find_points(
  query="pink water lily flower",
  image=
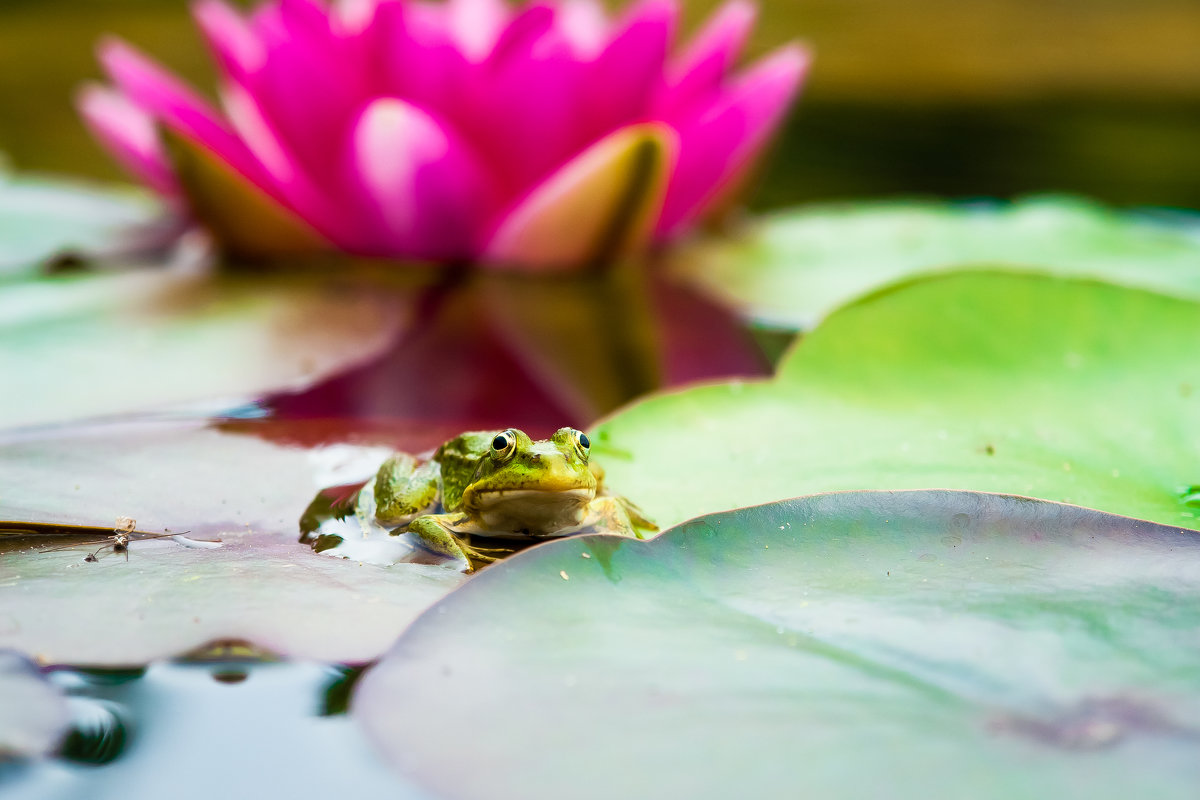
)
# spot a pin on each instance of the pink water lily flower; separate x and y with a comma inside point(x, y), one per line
point(546, 136)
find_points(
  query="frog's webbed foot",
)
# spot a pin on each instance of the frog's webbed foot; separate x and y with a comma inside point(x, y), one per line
point(617, 515)
point(433, 532)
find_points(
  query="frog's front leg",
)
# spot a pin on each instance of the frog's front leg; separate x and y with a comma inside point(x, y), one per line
point(434, 532)
point(614, 514)
point(405, 489)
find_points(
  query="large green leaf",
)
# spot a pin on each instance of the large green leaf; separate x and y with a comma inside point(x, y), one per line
point(853, 645)
point(97, 344)
point(33, 714)
point(260, 585)
point(1066, 390)
point(793, 267)
point(42, 218)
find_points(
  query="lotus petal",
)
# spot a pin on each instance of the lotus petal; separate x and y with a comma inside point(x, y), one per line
point(602, 204)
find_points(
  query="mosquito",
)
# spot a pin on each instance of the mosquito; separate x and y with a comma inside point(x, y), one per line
point(122, 535)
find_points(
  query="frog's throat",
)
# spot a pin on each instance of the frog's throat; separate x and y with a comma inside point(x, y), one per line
point(530, 512)
point(481, 498)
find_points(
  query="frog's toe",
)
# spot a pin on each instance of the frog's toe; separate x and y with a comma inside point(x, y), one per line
point(477, 560)
point(434, 533)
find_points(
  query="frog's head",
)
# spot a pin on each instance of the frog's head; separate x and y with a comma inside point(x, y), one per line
point(534, 487)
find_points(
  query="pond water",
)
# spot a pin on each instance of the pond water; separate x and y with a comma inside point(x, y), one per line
point(215, 728)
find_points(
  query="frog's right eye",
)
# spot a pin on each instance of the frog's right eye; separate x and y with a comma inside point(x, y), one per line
point(503, 444)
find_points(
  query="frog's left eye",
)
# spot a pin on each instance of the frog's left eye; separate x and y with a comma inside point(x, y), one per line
point(582, 443)
point(504, 444)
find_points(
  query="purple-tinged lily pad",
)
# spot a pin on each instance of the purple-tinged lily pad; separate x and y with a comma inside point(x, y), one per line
point(33, 713)
point(859, 644)
point(238, 572)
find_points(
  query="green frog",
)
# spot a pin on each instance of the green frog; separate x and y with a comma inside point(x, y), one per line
point(504, 485)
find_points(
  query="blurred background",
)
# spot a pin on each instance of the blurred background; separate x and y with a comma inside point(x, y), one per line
point(956, 98)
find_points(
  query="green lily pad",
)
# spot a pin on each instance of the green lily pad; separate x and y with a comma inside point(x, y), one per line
point(792, 268)
point(849, 645)
point(238, 573)
point(1066, 390)
point(33, 714)
point(41, 218)
point(104, 344)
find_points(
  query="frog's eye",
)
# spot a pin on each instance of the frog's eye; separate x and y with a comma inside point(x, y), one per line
point(582, 443)
point(503, 444)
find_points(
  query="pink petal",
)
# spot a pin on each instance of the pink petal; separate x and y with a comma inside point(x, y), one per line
point(310, 85)
point(521, 35)
point(354, 17)
point(235, 46)
point(422, 183)
point(522, 112)
point(622, 82)
point(600, 205)
point(476, 26)
point(129, 134)
point(418, 60)
point(177, 106)
point(290, 181)
point(719, 142)
point(698, 72)
point(308, 16)
point(256, 132)
point(584, 23)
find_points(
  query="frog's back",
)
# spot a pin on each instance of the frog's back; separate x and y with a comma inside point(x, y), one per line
point(459, 458)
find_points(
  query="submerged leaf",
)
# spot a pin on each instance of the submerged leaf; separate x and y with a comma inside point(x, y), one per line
point(847, 645)
point(793, 267)
point(1066, 390)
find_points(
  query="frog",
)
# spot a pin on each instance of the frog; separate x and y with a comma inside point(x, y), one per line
point(500, 484)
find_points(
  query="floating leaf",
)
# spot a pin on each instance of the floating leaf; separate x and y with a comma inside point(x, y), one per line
point(837, 646)
point(260, 584)
point(41, 218)
point(33, 714)
point(89, 345)
point(1066, 390)
point(792, 268)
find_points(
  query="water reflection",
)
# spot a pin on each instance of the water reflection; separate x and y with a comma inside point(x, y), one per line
point(495, 351)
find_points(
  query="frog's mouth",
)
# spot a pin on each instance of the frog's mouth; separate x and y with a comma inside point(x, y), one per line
point(533, 512)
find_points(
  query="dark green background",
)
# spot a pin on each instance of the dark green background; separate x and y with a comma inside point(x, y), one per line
point(945, 97)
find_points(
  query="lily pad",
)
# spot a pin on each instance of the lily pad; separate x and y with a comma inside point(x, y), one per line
point(259, 584)
point(1066, 390)
point(33, 714)
point(41, 218)
point(792, 268)
point(104, 344)
point(849, 645)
